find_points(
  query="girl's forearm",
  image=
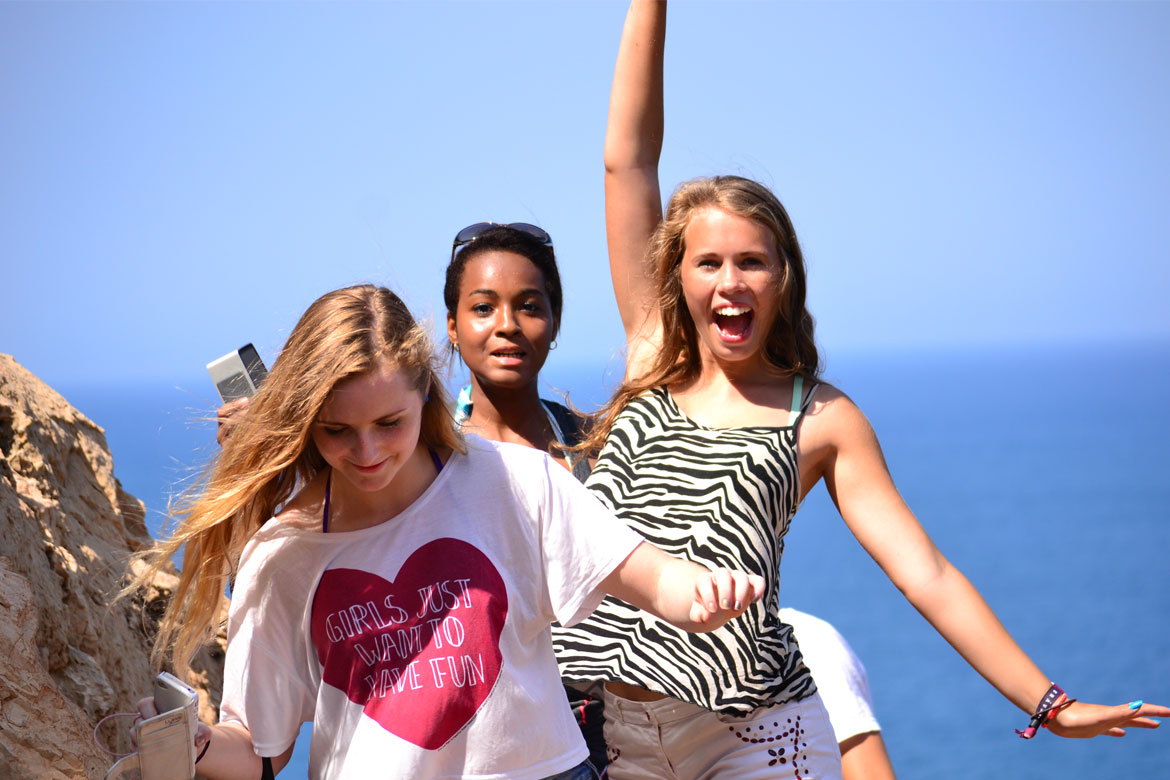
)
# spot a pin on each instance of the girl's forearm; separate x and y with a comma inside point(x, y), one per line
point(230, 756)
point(960, 614)
point(680, 592)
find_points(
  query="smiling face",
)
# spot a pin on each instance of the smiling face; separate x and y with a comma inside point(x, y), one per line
point(368, 430)
point(730, 275)
point(503, 322)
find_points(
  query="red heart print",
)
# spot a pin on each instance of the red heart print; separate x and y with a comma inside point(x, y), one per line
point(421, 653)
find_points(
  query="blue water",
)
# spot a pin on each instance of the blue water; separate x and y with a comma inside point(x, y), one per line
point(1042, 474)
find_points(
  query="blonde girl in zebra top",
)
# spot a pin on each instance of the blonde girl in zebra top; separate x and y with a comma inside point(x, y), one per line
point(718, 431)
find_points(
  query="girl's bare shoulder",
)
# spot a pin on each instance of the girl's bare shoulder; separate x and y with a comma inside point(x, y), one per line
point(832, 418)
point(305, 508)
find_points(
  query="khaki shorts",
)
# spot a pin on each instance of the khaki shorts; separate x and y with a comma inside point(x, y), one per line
point(673, 740)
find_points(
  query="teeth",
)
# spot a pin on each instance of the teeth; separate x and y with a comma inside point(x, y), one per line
point(732, 311)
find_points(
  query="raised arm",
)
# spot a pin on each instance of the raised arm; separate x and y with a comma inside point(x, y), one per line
point(841, 447)
point(633, 143)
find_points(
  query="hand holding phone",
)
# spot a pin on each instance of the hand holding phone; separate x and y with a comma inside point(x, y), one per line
point(238, 374)
point(166, 741)
point(227, 416)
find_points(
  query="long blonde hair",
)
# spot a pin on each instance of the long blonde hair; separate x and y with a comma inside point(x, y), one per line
point(790, 348)
point(270, 452)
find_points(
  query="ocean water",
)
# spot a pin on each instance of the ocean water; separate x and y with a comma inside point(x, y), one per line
point(1043, 474)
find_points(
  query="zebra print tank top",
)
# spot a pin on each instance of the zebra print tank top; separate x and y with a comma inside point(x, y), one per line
point(720, 497)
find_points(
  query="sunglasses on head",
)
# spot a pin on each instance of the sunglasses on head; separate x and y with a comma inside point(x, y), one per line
point(472, 232)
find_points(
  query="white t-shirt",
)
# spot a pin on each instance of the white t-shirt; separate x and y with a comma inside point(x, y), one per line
point(420, 647)
point(839, 674)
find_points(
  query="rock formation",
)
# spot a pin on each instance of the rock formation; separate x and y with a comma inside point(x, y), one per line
point(68, 657)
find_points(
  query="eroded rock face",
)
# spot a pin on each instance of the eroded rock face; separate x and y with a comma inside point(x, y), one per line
point(67, 530)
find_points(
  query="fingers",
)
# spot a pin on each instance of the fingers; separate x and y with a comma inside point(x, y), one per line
point(749, 588)
point(727, 590)
point(202, 734)
point(743, 591)
point(147, 708)
point(1143, 710)
point(705, 592)
point(228, 410)
point(724, 588)
point(699, 615)
point(227, 416)
point(757, 585)
point(1139, 714)
point(1143, 716)
point(1143, 723)
point(723, 594)
point(1088, 720)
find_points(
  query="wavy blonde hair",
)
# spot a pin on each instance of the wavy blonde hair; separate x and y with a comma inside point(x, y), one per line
point(790, 347)
point(270, 452)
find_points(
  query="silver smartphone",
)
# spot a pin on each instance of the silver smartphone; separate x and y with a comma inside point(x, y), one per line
point(238, 374)
point(166, 742)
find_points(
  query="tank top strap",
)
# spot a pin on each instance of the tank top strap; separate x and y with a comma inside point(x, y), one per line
point(800, 402)
point(552, 422)
point(567, 433)
point(797, 395)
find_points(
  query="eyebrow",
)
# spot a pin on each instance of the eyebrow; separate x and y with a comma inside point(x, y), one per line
point(713, 255)
point(495, 294)
point(319, 421)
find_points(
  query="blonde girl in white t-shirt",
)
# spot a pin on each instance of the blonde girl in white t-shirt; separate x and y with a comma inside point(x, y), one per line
point(393, 582)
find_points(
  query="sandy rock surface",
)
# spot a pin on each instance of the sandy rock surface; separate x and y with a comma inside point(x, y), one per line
point(67, 530)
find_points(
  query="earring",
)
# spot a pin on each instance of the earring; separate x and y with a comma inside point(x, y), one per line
point(455, 347)
point(552, 346)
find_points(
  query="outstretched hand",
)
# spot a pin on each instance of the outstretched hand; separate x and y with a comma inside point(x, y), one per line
point(723, 594)
point(1081, 720)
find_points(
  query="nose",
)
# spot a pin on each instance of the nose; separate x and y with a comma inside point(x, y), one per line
point(365, 449)
point(730, 278)
point(506, 320)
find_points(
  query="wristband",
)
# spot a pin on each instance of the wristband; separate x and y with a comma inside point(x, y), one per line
point(1052, 703)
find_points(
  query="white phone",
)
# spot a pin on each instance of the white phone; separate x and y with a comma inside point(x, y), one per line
point(166, 742)
point(238, 374)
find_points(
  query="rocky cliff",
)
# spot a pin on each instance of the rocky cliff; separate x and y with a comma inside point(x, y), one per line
point(68, 657)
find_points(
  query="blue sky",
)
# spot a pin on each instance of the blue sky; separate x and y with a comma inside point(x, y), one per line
point(179, 178)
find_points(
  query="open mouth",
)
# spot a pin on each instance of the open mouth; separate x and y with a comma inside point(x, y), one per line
point(509, 355)
point(734, 322)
